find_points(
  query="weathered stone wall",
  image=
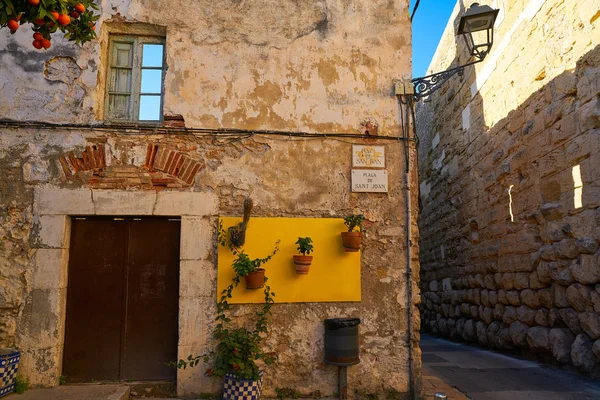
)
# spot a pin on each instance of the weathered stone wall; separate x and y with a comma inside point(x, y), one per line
point(319, 66)
point(510, 186)
point(266, 170)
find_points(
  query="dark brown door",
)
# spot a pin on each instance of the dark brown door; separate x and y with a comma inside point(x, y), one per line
point(122, 299)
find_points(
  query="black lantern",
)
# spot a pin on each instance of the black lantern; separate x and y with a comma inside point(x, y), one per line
point(476, 20)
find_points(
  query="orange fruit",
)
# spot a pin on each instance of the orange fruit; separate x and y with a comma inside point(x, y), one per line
point(74, 14)
point(13, 25)
point(39, 21)
point(54, 14)
point(64, 19)
point(37, 36)
point(79, 7)
point(33, 2)
point(37, 44)
point(45, 43)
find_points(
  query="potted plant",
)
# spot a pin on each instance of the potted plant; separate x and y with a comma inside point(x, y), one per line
point(353, 237)
point(238, 349)
point(243, 265)
point(250, 269)
point(9, 366)
point(303, 261)
point(237, 233)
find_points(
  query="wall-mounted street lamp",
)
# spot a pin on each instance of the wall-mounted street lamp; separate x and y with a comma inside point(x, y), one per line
point(476, 19)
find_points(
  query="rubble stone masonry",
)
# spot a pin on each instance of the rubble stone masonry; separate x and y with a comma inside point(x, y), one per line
point(509, 166)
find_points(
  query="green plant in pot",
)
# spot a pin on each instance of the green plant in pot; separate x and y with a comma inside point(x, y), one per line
point(250, 270)
point(244, 266)
point(238, 348)
point(353, 237)
point(238, 354)
point(303, 260)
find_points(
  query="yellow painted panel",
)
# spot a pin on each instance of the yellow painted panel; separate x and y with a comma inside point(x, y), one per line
point(334, 275)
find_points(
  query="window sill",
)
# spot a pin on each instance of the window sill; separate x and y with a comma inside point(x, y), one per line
point(137, 127)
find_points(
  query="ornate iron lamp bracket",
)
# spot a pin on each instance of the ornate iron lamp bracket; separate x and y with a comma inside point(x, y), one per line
point(426, 85)
point(476, 19)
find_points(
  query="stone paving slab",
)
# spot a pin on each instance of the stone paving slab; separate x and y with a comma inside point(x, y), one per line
point(432, 384)
point(76, 392)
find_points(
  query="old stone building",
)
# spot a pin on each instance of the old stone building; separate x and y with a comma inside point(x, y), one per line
point(509, 163)
point(262, 99)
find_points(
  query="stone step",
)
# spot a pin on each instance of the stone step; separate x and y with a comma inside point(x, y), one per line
point(76, 392)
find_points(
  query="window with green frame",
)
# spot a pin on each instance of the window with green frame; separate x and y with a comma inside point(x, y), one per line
point(136, 72)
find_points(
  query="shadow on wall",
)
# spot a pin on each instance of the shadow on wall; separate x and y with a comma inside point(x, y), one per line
point(439, 169)
point(448, 100)
point(510, 240)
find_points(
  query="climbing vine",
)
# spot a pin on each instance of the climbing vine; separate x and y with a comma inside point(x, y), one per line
point(238, 348)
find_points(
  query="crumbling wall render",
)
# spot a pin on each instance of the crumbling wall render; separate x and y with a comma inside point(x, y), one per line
point(267, 171)
point(318, 65)
point(519, 134)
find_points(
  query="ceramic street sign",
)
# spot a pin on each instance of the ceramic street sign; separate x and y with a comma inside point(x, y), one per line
point(369, 180)
point(368, 156)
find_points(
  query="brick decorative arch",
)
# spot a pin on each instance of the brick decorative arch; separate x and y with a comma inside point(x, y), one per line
point(93, 157)
point(163, 168)
point(173, 163)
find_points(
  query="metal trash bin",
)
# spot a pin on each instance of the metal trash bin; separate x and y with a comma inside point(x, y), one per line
point(341, 341)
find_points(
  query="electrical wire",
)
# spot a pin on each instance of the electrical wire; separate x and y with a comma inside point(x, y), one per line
point(222, 133)
point(415, 10)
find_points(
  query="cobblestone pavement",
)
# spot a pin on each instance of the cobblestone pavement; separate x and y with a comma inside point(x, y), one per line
point(486, 375)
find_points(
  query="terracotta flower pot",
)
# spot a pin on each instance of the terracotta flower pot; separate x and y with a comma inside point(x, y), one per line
point(302, 264)
point(256, 279)
point(352, 241)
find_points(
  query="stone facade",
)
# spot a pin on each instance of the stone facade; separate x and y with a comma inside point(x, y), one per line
point(319, 66)
point(510, 186)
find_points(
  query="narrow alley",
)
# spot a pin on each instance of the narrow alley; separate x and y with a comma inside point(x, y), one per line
point(487, 375)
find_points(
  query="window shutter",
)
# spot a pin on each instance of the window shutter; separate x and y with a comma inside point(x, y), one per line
point(119, 100)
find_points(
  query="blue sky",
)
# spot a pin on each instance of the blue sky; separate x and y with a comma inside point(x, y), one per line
point(428, 25)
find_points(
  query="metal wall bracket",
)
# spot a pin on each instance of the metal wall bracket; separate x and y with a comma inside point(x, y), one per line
point(426, 85)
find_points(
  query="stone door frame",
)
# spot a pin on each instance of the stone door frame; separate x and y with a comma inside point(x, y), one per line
point(41, 328)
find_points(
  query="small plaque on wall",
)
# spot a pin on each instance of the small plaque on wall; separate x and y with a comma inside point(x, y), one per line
point(369, 180)
point(368, 156)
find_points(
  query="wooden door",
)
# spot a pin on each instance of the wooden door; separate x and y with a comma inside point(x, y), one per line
point(122, 299)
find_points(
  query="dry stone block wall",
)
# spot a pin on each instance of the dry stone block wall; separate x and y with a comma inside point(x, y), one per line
point(510, 187)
